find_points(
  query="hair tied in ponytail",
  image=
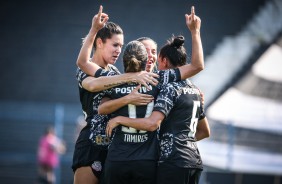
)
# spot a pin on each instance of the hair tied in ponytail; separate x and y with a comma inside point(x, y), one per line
point(178, 41)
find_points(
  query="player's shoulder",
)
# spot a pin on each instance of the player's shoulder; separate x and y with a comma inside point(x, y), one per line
point(191, 84)
point(113, 68)
point(169, 87)
point(167, 71)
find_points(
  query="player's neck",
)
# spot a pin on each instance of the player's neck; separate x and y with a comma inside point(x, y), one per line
point(98, 59)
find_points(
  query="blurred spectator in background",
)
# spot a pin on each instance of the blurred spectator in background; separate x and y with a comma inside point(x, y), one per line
point(49, 148)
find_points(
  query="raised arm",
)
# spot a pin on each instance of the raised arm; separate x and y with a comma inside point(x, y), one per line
point(193, 23)
point(90, 68)
point(83, 60)
point(150, 123)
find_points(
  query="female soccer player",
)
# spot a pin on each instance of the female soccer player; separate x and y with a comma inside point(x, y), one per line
point(91, 146)
point(181, 115)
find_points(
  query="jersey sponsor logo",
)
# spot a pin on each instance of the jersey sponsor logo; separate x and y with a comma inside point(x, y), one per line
point(100, 139)
point(190, 91)
point(129, 89)
point(135, 138)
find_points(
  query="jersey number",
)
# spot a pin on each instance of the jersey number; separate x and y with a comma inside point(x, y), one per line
point(194, 120)
point(132, 114)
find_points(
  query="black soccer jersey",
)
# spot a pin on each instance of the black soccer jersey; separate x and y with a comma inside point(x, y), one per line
point(89, 102)
point(182, 101)
point(129, 143)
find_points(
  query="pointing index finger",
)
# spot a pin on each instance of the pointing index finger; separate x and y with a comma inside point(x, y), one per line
point(193, 12)
point(100, 10)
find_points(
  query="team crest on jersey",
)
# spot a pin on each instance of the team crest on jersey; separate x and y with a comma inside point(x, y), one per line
point(97, 166)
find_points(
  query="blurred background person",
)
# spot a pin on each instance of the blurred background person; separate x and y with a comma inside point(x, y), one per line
point(49, 148)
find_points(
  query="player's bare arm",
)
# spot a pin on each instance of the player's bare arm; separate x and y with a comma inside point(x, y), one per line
point(203, 129)
point(150, 123)
point(193, 23)
point(83, 60)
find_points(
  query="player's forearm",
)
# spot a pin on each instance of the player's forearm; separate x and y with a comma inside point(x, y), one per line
point(112, 81)
point(112, 105)
point(197, 59)
point(139, 123)
point(203, 129)
point(106, 82)
point(83, 60)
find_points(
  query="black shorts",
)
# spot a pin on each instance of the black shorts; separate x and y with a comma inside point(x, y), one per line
point(88, 154)
point(167, 173)
point(128, 172)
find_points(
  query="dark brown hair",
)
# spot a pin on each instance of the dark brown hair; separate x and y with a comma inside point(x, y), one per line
point(174, 51)
point(135, 57)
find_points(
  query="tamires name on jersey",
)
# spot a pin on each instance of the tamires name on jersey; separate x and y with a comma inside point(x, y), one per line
point(135, 138)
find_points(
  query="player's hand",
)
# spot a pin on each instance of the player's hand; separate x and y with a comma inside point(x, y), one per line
point(137, 98)
point(144, 78)
point(112, 124)
point(99, 20)
point(193, 22)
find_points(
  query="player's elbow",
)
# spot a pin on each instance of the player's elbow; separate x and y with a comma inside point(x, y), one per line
point(202, 67)
point(78, 63)
point(94, 89)
point(199, 68)
point(208, 131)
point(82, 65)
point(154, 125)
point(90, 85)
point(101, 111)
point(207, 134)
point(91, 88)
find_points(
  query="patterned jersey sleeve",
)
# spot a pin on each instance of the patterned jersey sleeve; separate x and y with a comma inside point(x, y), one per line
point(109, 92)
point(101, 72)
point(170, 75)
point(111, 72)
point(166, 99)
point(80, 76)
